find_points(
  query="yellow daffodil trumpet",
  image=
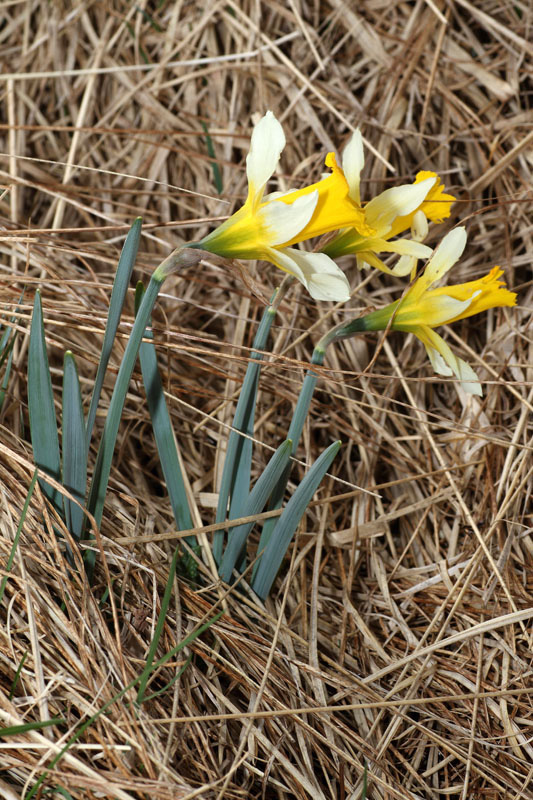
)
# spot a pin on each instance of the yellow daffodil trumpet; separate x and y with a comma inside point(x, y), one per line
point(389, 214)
point(422, 308)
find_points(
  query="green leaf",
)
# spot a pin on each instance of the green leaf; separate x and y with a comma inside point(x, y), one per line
point(74, 446)
point(6, 354)
point(102, 469)
point(104, 458)
point(295, 432)
point(15, 730)
point(254, 505)
point(235, 483)
point(288, 522)
point(154, 644)
point(171, 683)
point(7, 343)
point(116, 304)
point(14, 546)
point(43, 424)
point(163, 432)
point(17, 674)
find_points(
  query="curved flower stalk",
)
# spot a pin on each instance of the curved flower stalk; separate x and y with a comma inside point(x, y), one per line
point(266, 227)
point(390, 213)
point(423, 308)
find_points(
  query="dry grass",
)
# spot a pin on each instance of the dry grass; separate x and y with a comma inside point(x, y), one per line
point(400, 635)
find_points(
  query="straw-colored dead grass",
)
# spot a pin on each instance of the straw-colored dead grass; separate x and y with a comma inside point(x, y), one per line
point(400, 634)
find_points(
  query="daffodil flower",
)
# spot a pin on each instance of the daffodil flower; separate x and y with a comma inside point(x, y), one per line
point(423, 308)
point(390, 213)
point(266, 227)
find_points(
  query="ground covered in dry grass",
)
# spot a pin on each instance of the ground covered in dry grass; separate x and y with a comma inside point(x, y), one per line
point(399, 638)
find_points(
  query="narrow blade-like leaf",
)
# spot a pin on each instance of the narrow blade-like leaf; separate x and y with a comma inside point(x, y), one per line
point(189, 639)
point(14, 546)
point(288, 522)
point(100, 479)
point(235, 483)
point(7, 343)
point(164, 434)
point(254, 505)
point(295, 432)
point(116, 304)
point(43, 423)
point(74, 446)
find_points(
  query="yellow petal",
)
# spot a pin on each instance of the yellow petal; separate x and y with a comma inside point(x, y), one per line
point(334, 209)
point(437, 204)
point(484, 293)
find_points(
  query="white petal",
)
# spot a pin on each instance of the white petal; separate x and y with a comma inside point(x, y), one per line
point(469, 379)
point(446, 363)
point(284, 221)
point(406, 247)
point(353, 161)
point(268, 140)
point(397, 202)
point(444, 308)
point(419, 230)
point(404, 266)
point(438, 363)
point(419, 226)
point(323, 279)
point(447, 253)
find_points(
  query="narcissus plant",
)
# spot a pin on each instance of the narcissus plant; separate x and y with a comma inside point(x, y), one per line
point(423, 308)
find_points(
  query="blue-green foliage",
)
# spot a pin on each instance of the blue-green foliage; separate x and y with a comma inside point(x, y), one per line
point(71, 470)
point(237, 498)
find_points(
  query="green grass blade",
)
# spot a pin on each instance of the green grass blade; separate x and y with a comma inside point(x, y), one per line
point(14, 546)
point(171, 683)
point(14, 730)
point(102, 469)
point(254, 504)
point(235, 483)
point(58, 790)
point(74, 447)
point(83, 727)
point(158, 628)
point(288, 522)
point(17, 675)
point(164, 434)
point(214, 165)
point(8, 353)
point(43, 423)
point(7, 343)
point(116, 304)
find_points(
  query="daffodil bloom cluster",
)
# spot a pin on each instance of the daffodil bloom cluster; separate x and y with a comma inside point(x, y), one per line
point(266, 227)
point(423, 308)
point(389, 214)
